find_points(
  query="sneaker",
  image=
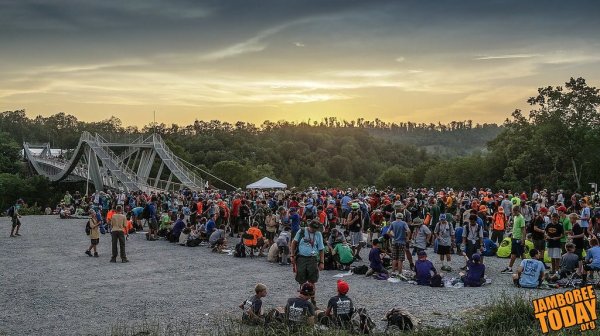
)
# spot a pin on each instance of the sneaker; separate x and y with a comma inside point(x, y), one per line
point(125, 260)
point(16, 234)
point(113, 260)
point(412, 267)
point(464, 268)
point(507, 270)
point(88, 253)
point(12, 236)
point(96, 254)
point(357, 257)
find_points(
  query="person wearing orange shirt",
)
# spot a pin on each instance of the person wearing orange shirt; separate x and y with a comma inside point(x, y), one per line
point(256, 241)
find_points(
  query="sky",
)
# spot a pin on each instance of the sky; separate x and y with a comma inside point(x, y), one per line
point(256, 60)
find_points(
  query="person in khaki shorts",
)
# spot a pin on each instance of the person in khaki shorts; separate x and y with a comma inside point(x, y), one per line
point(118, 223)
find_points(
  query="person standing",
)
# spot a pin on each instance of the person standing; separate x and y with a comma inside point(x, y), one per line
point(444, 233)
point(518, 239)
point(307, 254)
point(554, 232)
point(118, 223)
point(94, 234)
point(13, 212)
point(399, 232)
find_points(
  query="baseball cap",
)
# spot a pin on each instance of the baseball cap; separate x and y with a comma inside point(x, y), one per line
point(399, 215)
point(342, 286)
point(562, 208)
point(473, 217)
point(307, 289)
point(422, 254)
point(544, 210)
point(476, 257)
point(442, 217)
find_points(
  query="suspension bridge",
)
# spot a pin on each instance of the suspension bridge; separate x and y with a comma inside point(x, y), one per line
point(95, 161)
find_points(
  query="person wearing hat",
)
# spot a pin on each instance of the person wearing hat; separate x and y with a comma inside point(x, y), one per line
point(517, 247)
point(567, 226)
point(340, 307)
point(399, 233)
point(475, 276)
point(499, 221)
point(253, 307)
point(530, 273)
point(299, 310)
point(424, 269)
point(444, 234)
point(307, 253)
point(354, 223)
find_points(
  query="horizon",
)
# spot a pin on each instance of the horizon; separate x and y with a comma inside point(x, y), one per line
point(253, 61)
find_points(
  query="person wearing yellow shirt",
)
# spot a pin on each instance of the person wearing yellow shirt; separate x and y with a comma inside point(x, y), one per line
point(118, 224)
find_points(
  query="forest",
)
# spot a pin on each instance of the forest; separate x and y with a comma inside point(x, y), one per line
point(554, 145)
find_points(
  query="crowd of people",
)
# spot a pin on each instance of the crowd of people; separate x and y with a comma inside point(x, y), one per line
point(315, 229)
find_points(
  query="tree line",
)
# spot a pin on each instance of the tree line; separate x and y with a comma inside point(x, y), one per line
point(554, 146)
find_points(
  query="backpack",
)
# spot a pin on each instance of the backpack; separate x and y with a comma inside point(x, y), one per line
point(436, 281)
point(309, 212)
point(330, 214)
point(401, 319)
point(146, 212)
point(240, 250)
point(362, 269)
point(11, 211)
point(361, 322)
point(466, 230)
point(88, 228)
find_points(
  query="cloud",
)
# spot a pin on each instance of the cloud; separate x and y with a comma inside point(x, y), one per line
point(299, 44)
point(502, 57)
point(400, 59)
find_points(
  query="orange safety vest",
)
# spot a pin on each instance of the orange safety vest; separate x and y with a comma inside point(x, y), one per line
point(499, 222)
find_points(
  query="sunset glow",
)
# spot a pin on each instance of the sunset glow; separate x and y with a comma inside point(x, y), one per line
point(292, 60)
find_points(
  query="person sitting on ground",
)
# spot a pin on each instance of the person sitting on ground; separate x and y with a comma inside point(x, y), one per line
point(569, 262)
point(375, 260)
point(475, 276)
point(254, 239)
point(592, 261)
point(177, 229)
point(283, 244)
point(201, 229)
point(184, 235)
point(424, 269)
point(253, 312)
point(530, 272)
point(217, 239)
point(300, 311)
point(489, 247)
point(211, 225)
point(343, 255)
point(165, 225)
point(340, 307)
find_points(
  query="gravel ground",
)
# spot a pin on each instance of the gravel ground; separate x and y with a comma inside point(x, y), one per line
point(48, 286)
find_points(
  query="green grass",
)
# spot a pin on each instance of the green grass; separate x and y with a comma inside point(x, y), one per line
point(509, 316)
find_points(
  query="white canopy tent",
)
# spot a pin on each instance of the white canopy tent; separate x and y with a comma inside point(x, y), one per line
point(266, 183)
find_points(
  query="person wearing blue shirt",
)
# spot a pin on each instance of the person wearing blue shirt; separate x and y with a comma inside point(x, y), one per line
point(530, 272)
point(345, 202)
point(294, 221)
point(210, 226)
point(307, 253)
point(458, 233)
point(592, 260)
point(399, 231)
point(489, 247)
point(177, 228)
